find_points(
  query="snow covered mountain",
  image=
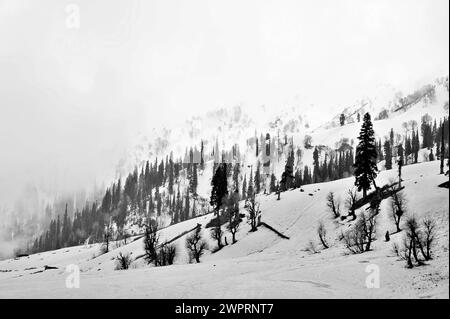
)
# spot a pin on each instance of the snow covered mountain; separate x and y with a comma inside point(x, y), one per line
point(261, 264)
point(390, 109)
point(283, 258)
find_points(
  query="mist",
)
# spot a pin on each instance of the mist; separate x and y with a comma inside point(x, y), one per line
point(73, 97)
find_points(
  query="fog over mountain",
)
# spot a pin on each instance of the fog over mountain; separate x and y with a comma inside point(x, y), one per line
point(72, 100)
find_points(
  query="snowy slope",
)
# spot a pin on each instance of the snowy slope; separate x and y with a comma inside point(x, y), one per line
point(260, 264)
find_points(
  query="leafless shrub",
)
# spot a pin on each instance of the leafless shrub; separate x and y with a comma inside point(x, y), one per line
point(196, 245)
point(333, 205)
point(418, 241)
point(398, 206)
point(360, 237)
point(123, 262)
point(166, 254)
point(107, 237)
point(350, 201)
point(151, 240)
point(216, 234)
point(234, 218)
point(322, 232)
point(253, 212)
point(428, 236)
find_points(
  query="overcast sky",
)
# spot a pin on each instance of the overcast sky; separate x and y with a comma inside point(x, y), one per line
point(71, 98)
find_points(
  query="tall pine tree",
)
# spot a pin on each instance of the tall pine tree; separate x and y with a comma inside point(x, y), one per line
point(366, 154)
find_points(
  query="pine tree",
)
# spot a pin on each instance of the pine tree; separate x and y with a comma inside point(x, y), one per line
point(387, 155)
point(297, 179)
point(416, 145)
point(380, 151)
point(257, 180)
point(287, 177)
point(202, 160)
point(65, 228)
point(366, 154)
point(244, 187)
point(307, 179)
point(219, 187)
point(250, 191)
point(273, 186)
point(316, 165)
point(170, 174)
point(391, 140)
point(186, 207)
point(400, 153)
point(408, 150)
point(257, 146)
point(58, 233)
point(193, 182)
point(236, 172)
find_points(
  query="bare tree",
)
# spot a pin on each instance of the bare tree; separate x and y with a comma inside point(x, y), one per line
point(333, 205)
point(253, 213)
point(350, 202)
point(406, 252)
point(419, 240)
point(123, 262)
point(234, 218)
point(398, 205)
point(428, 237)
point(195, 244)
point(322, 232)
point(166, 254)
point(360, 237)
point(107, 236)
point(413, 237)
point(217, 233)
point(151, 240)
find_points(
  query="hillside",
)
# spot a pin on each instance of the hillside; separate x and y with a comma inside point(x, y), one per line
point(260, 264)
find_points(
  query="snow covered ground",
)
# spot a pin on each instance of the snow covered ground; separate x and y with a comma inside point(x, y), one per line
point(261, 264)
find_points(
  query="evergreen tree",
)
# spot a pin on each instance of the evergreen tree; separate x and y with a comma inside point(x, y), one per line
point(287, 177)
point(342, 119)
point(307, 179)
point(250, 191)
point(316, 166)
point(415, 145)
point(400, 153)
point(236, 172)
point(408, 150)
point(391, 140)
point(244, 187)
point(297, 179)
point(170, 174)
point(273, 181)
point(366, 154)
point(219, 187)
point(257, 180)
point(202, 160)
point(58, 233)
point(387, 155)
point(193, 182)
point(65, 228)
point(186, 207)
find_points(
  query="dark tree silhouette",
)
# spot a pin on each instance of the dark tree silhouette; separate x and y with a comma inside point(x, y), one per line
point(366, 156)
